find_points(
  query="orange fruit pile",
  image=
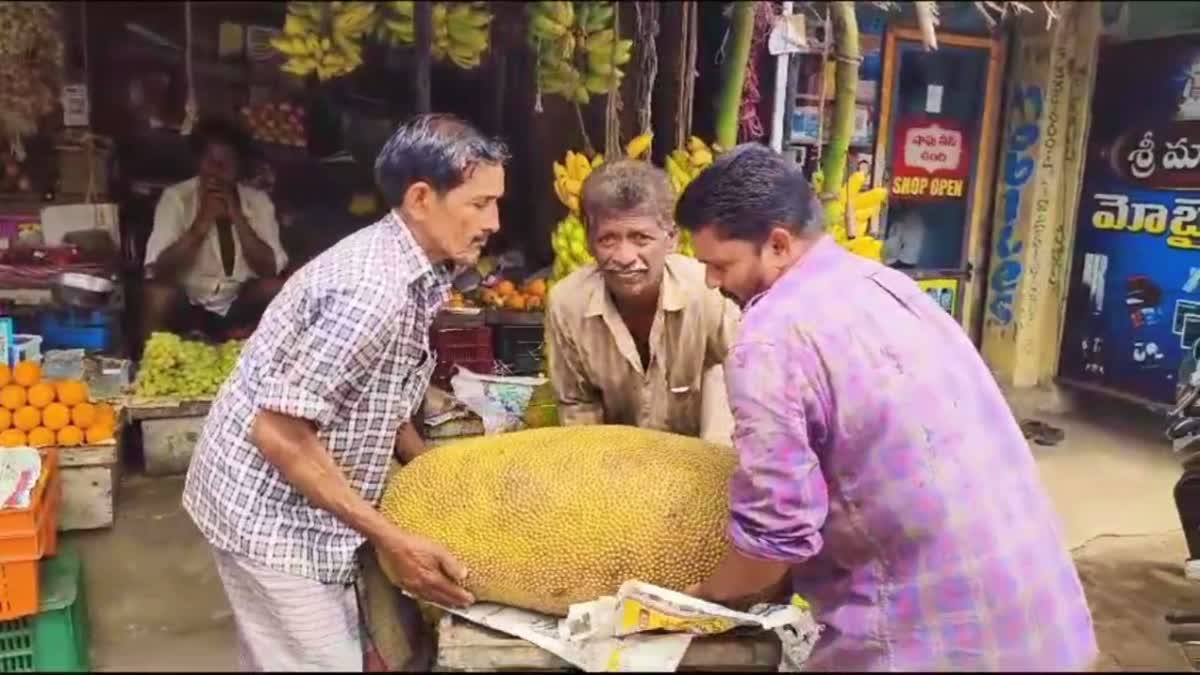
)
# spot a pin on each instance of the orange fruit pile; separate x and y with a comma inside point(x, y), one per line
point(38, 413)
point(505, 294)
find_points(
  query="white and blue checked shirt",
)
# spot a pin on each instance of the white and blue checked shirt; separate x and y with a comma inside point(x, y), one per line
point(346, 345)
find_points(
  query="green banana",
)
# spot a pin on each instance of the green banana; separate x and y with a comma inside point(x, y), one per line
point(601, 15)
point(544, 27)
point(465, 35)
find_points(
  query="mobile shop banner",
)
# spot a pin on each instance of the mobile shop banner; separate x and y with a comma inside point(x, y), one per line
point(1134, 303)
point(931, 159)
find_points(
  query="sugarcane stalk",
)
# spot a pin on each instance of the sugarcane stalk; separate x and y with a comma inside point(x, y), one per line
point(729, 101)
point(846, 51)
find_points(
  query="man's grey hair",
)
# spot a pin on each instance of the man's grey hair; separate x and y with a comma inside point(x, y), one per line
point(628, 188)
point(439, 149)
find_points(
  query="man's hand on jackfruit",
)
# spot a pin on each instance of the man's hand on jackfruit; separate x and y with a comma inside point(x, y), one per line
point(425, 569)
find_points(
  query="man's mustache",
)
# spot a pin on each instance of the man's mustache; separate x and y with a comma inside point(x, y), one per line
point(617, 268)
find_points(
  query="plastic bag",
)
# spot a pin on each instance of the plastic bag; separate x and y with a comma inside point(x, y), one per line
point(499, 401)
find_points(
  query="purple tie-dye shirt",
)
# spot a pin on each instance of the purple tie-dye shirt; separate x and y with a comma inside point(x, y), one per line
point(880, 459)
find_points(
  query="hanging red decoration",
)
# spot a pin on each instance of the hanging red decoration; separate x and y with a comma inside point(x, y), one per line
point(750, 127)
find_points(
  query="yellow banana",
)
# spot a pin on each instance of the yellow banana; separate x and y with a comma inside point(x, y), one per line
point(601, 41)
point(700, 158)
point(597, 84)
point(597, 161)
point(295, 24)
point(563, 13)
point(855, 182)
point(469, 37)
point(623, 51)
point(674, 169)
point(560, 192)
point(572, 186)
point(288, 46)
point(599, 63)
point(639, 145)
point(542, 26)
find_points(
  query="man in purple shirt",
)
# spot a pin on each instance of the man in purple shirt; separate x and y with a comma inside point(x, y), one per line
point(879, 462)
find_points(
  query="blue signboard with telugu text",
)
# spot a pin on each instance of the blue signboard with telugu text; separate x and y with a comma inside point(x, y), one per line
point(1134, 304)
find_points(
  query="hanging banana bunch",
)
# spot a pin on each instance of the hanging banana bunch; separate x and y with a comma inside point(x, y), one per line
point(569, 239)
point(577, 48)
point(461, 30)
point(683, 165)
point(850, 212)
point(324, 38)
point(394, 25)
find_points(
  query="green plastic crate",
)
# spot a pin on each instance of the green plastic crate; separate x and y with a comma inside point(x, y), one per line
point(56, 638)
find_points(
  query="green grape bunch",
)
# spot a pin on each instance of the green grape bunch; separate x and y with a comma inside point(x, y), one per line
point(176, 368)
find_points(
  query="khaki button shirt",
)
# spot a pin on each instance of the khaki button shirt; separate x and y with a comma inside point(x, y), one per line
point(597, 373)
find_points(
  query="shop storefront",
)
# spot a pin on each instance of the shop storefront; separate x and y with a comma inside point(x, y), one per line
point(1134, 303)
point(938, 116)
point(925, 127)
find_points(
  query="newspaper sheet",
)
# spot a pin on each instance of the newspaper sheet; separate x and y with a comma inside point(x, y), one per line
point(645, 628)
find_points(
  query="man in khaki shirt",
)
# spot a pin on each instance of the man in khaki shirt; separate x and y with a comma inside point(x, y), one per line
point(638, 338)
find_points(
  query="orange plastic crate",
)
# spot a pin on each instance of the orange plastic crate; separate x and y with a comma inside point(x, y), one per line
point(26, 536)
point(21, 530)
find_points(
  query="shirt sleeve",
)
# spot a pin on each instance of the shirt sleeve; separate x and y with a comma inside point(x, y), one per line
point(262, 220)
point(578, 400)
point(169, 225)
point(778, 496)
point(345, 334)
point(722, 328)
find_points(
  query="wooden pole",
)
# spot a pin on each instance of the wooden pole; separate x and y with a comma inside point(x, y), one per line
point(846, 52)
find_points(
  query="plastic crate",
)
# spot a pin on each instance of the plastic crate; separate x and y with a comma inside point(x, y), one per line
point(23, 531)
point(520, 348)
point(469, 347)
point(56, 638)
point(26, 536)
point(94, 330)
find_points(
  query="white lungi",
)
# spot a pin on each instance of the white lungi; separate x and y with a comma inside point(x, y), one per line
point(290, 623)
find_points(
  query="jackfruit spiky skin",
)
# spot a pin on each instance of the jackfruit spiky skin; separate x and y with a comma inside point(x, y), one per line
point(546, 518)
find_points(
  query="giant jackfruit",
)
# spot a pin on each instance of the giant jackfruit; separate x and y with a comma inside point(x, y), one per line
point(546, 518)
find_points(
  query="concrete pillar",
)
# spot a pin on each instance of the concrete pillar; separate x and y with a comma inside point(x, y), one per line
point(1037, 194)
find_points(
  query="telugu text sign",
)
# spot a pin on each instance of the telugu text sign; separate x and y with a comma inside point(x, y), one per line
point(932, 162)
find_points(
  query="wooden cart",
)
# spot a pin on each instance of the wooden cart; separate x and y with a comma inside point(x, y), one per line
point(467, 647)
point(401, 639)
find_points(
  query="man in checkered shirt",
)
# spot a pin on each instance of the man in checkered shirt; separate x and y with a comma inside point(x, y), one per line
point(297, 445)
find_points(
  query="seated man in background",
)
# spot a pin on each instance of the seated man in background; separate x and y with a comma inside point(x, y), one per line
point(638, 338)
point(213, 258)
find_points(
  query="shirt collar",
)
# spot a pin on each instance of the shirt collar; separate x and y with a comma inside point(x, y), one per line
point(817, 259)
point(421, 265)
point(671, 296)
